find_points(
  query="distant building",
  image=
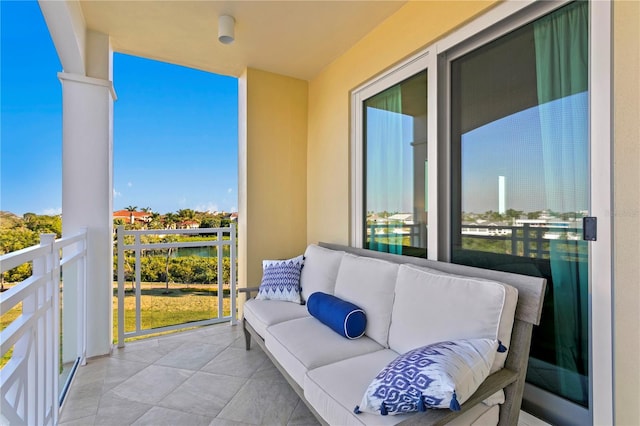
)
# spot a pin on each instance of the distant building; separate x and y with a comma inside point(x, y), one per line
point(406, 218)
point(188, 224)
point(132, 217)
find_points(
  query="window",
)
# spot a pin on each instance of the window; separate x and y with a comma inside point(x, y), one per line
point(395, 171)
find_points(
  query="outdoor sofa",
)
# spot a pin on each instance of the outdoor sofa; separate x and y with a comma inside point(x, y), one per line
point(409, 303)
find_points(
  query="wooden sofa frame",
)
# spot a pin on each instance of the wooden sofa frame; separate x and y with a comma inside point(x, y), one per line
point(511, 378)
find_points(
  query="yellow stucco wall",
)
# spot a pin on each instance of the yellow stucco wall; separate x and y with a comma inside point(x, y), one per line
point(414, 26)
point(272, 159)
point(419, 24)
point(626, 176)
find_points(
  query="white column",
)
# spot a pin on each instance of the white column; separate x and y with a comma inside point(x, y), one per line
point(87, 182)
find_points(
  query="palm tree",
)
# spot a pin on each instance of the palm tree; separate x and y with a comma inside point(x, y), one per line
point(186, 214)
point(154, 221)
point(169, 220)
point(131, 210)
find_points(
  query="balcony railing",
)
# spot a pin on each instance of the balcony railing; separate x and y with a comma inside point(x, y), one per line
point(222, 239)
point(531, 241)
point(30, 378)
point(524, 240)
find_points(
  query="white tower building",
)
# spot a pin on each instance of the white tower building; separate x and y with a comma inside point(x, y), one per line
point(501, 195)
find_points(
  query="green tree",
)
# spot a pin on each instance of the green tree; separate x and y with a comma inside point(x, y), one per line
point(17, 239)
point(19, 233)
point(170, 220)
point(156, 221)
point(211, 222)
point(186, 214)
point(514, 214)
point(43, 224)
point(534, 215)
point(493, 216)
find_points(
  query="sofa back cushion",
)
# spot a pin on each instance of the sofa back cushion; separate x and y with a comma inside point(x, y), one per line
point(320, 270)
point(369, 283)
point(431, 306)
point(506, 318)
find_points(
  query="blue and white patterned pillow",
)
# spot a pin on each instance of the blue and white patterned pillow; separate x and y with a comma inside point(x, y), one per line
point(441, 375)
point(281, 279)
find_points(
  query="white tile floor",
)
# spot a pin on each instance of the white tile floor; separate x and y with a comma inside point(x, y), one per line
point(197, 377)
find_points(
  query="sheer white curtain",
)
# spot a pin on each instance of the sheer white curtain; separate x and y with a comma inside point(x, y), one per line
point(384, 166)
point(562, 81)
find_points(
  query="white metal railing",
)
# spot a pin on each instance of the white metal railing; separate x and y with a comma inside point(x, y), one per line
point(29, 380)
point(138, 248)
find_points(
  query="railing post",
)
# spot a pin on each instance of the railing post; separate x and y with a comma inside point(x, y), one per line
point(52, 331)
point(372, 237)
point(43, 356)
point(138, 278)
point(82, 298)
point(525, 240)
point(120, 248)
point(220, 274)
point(539, 241)
point(232, 273)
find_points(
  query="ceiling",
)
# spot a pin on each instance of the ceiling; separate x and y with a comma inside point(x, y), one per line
point(293, 38)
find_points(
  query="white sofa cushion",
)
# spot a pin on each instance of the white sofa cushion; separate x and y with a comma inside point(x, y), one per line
point(320, 270)
point(369, 283)
point(263, 313)
point(305, 343)
point(454, 307)
point(478, 415)
point(431, 307)
point(334, 398)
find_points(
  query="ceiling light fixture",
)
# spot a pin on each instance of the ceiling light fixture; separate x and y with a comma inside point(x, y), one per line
point(226, 29)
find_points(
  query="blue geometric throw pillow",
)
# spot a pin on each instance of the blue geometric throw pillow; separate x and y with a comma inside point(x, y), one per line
point(441, 375)
point(281, 280)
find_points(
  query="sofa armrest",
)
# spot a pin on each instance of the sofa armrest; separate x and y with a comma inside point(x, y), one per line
point(248, 291)
point(494, 383)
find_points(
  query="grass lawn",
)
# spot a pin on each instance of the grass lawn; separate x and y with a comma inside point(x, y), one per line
point(5, 319)
point(183, 303)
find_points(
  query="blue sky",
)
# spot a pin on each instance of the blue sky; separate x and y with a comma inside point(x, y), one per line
point(542, 152)
point(175, 128)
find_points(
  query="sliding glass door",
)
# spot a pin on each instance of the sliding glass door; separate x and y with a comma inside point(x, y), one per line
point(519, 150)
point(511, 159)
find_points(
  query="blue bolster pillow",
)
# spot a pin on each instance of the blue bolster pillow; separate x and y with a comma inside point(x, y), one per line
point(341, 316)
